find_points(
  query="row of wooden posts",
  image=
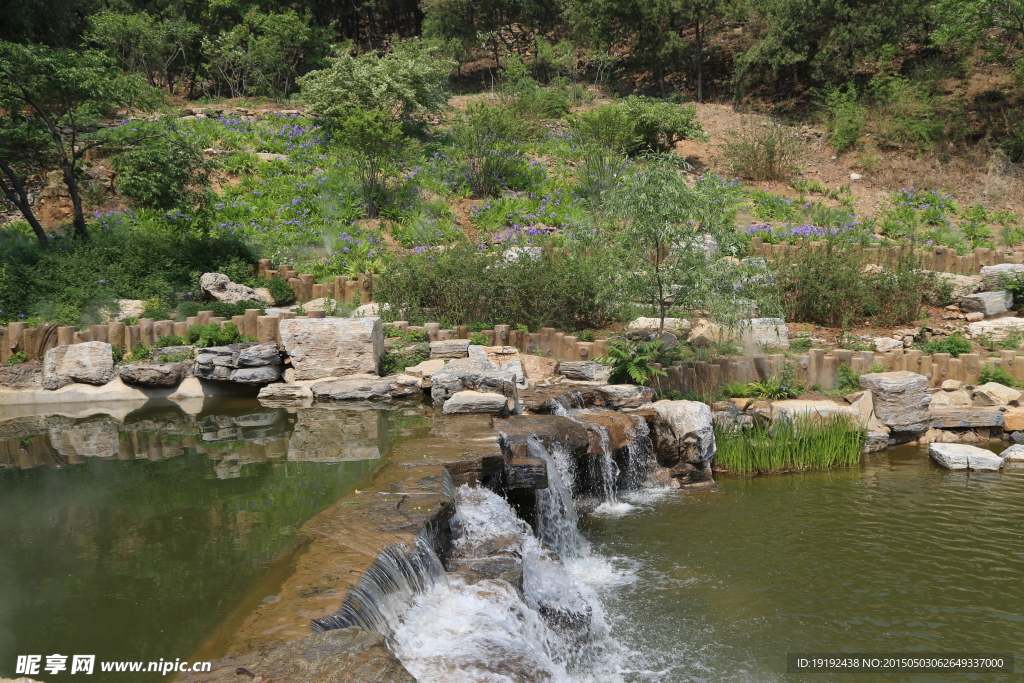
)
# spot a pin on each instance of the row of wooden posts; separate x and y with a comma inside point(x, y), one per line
point(937, 258)
point(341, 289)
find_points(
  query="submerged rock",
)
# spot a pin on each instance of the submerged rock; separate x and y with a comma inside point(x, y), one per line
point(962, 457)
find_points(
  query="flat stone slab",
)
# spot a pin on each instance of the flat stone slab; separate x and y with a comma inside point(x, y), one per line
point(154, 374)
point(989, 303)
point(451, 348)
point(476, 403)
point(995, 276)
point(1014, 453)
point(955, 456)
point(954, 417)
point(367, 388)
point(996, 330)
point(995, 394)
point(795, 408)
point(584, 371)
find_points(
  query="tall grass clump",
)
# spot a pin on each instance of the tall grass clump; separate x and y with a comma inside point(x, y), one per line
point(805, 443)
point(766, 152)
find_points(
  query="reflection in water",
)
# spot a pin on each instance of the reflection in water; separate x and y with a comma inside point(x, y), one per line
point(131, 537)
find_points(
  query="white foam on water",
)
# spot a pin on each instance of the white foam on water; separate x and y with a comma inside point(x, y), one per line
point(616, 509)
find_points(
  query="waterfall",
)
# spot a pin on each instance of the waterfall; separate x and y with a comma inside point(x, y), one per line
point(556, 511)
point(552, 628)
point(640, 451)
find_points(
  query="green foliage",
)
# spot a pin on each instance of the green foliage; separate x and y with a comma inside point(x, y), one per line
point(638, 124)
point(137, 354)
point(17, 358)
point(738, 390)
point(214, 334)
point(766, 152)
point(992, 373)
point(478, 339)
point(171, 340)
point(143, 44)
point(774, 388)
point(392, 362)
point(632, 363)
point(801, 345)
point(281, 291)
point(164, 170)
point(412, 78)
point(826, 286)
point(374, 138)
point(847, 379)
point(220, 309)
point(489, 139)
point(845, 115)
point(954, 345)
point(810, 442)
point(176, 357)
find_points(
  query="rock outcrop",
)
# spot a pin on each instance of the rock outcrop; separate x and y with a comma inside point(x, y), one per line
point(21, 376)
point(86, 363)
point(988, 303)
point(451, 348)
point(584, 371)
point(684, 439)
point(954, 456)
point(332, 347)
point(477, 403)
point(473, 374)
point(246, 363)
point(368, 388)
point(147, 374)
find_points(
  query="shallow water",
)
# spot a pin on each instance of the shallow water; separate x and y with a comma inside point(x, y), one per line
point(895, 556)
point(133, 537)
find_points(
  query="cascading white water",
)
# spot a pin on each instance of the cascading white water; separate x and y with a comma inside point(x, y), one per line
point(556, 512)
point(487, 632)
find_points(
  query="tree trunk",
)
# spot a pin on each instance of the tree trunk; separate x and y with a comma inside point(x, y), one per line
point(68, 168)
point(19, 197)
point(700, 59)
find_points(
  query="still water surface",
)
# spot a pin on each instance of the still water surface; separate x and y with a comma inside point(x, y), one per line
point(896, 556)
point(135, 536)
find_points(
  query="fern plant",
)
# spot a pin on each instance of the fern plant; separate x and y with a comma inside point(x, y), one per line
point(632, 363)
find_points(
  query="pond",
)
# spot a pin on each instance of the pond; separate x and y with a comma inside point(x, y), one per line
point(137, 535)
point(895, 556)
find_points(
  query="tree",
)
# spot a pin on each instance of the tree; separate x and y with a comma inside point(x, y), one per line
point(411, 78)
point(670, 240)
point(374, 138)
point(61, 94)
point(144, 44)
point(993, 24)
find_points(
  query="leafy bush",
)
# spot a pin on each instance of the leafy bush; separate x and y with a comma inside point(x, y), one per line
point(632, 363)
point(392, 362)
point(171, 340)
point(281, 291)
point(478, 339)
point(991, 373)
point(214, 334)
point(737, 390)
point(826, 286)
point(137, 354)
point(954, 345)
point(462, 284)
point(221, 309)
point(489, 137)
point(166, 170)
point(774, 388)
point(846, 117)
point(660, 125)
point(411, 78)
point(766, 152)
point(17, 358)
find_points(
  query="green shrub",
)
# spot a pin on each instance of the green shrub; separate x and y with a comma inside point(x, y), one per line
point(847, 379)
point(737, 390)
point(810, 442)
point(632, 363)
point(766, 152)
point(954, 345)
point(139, 353)
point(846, 117)
point(489, 139)
point(392, 362)
point(991, 373)
point(17, 358)
point(220, 309)
point(801, 345)
point(281, 291)
point(214, 334)
point(171, 340)
point(478, 339)
point(659, 125)
point(166, 170)
point(774, 389)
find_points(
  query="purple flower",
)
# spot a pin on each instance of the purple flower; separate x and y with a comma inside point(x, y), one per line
point(103, 282)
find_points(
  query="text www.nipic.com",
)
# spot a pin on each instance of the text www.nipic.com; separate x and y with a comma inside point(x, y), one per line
point(86, 664)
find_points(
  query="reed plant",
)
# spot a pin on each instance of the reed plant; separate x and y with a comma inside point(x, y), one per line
point(808, 442)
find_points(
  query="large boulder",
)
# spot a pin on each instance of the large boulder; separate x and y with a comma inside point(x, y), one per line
point(219, 287)
point(473, 374)
point(995, 330)
point(684, 438)
point(1014, 453)
point(959, 285)
point(948, 399)
point(955, 456)
point(620, 396)
point(995, 277)
point(153, 374)
point(1014, 419)
point(424, 370)
point(965, 417)
point(87, 363)
point(332, 347)
point(246, 363)
point(536, 368)
point(988, 303)
point(476, 403)
point(584, 371)
point(900, 399)
point(760, 332)
point(368, 387)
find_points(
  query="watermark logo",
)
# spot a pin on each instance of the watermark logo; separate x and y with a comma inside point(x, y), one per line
point(86, 664)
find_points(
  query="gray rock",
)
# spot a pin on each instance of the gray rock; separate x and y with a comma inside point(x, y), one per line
point(1017, 437)
point(21, 376)
point(88, 363)
point(474, 374)
point(995, 277)
point(995, 394)
point(584, 371)
point(960, 285)
point(452, 348)
point(272, 394)
point(955, 456)
point(886, 344)
point(219, 287)
point(965, 417)
point(996, 330)
point(246, 363)
point(875, 441)
point(900, 399)
point(368, 388)
point(153, 374)
point(476, 403)
point(622, 396)
point(1014, 453)
point(683, 433)
point(526, 473)
point(757, 332)
point(333, 347)
point(989, 303)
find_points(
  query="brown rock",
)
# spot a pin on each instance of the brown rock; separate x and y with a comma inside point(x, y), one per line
point(1014, 419)
point(538, 367)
